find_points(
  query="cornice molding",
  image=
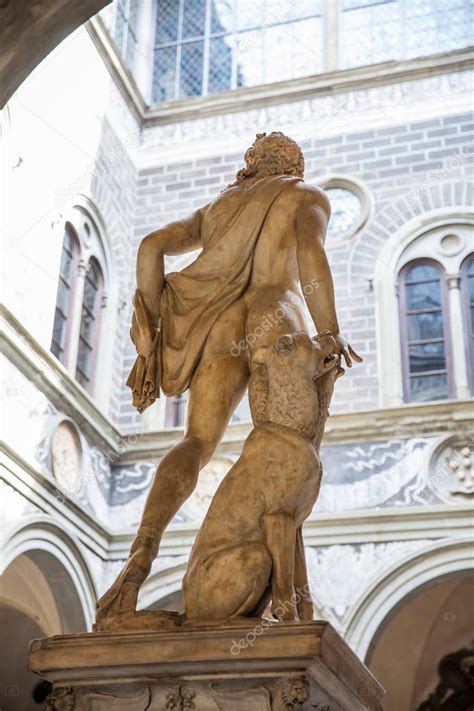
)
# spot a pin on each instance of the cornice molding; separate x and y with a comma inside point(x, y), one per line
point(117, 69)
point(317, 85)
point(361, 526)
point(247, 99)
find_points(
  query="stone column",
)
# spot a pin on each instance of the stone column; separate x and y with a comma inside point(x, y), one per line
point(78, 296)
point(458, 344)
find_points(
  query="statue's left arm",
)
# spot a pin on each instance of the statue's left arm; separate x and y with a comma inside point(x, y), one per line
point(312, 218)
point(176, 238)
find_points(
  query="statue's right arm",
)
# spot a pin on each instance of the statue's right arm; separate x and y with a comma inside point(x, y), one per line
point(176, 238)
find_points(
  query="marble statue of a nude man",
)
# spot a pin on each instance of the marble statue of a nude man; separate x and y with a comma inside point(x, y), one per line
point(262, 256)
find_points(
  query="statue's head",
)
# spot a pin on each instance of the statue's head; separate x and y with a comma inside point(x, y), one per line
point(275, 154)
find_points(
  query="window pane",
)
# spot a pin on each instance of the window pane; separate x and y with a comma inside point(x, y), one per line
point(425, 327)
point(84, 361)
point(191, 69)
point(87, 331)
point(398, 29)
point(164, 74)
point(222, 15)
point(220, 65)
point(90, 290)
point(119, 33)
point(292, 50)
point(250, 13)
point(471, 285)
point(59, 331)
point(294, 10)
point(424, 388)
point(63, 296)
point(250, 58)
point(345, 211)
point(67, 256)
point(423, 296)
point(194, 16)
point(62, 299)
point(420, 272)
point(426, 356)
point(167, 21)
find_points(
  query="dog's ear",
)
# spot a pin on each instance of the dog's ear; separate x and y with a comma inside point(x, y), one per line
point(284, 344)
point(259, 357)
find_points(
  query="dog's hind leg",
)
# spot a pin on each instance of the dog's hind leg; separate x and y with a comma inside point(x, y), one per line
point(230, 583)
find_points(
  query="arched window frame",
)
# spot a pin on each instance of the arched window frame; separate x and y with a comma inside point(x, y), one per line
point(418, 237)
point(404, 341)
point(63, 356)
point(467, 318)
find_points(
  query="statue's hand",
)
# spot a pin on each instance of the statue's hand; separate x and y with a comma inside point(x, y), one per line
point(343, 349)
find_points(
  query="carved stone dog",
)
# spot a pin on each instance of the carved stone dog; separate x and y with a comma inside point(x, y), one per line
point(250, 546)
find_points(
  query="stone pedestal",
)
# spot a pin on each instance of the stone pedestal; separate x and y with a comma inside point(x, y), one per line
point(233, 668)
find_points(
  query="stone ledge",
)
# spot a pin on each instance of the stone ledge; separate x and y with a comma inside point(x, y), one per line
point(234, 660)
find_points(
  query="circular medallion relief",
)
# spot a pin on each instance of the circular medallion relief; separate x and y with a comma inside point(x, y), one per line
point(350, 207)
point(66, 455)
point(450, 244)
point(452, 469)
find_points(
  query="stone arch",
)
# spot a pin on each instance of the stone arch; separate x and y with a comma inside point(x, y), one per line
point(367, 616)
point(58, 556)
point(42, 25)
point(433, 196)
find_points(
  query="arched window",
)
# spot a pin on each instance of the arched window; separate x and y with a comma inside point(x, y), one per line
point(467, 289)
point(424, 332)
point(91, 304)
point(83, 293)
point(65, 295)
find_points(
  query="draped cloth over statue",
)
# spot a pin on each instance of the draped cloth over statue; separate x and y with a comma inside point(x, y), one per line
point(194, 298)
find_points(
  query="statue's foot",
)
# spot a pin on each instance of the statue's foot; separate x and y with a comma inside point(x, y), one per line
point(122, 596)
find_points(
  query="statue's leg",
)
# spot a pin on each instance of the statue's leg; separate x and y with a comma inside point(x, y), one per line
point(216, 389)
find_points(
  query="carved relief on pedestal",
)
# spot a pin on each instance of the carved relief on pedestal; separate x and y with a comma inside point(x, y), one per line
point(66, 699)
point(452, 469)
point(291, 694)
point(180, 700)
point(61, 700)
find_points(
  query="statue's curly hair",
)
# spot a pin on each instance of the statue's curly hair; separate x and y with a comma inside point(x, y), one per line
point(275, 154)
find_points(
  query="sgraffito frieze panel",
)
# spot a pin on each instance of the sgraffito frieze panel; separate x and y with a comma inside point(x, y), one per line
point(339, 574)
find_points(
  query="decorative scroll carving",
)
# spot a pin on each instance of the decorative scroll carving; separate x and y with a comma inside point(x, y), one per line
point(180, 700)
point(257, 699)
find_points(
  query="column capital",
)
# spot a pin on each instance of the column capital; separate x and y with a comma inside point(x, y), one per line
point(82, 267)
point(453, 281)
